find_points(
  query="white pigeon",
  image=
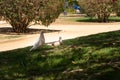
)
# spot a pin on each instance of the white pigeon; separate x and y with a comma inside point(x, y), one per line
point(60, 41)
point(56, 43)
point(39, 42)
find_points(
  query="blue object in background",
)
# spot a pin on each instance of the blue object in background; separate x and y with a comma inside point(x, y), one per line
point(76, 7)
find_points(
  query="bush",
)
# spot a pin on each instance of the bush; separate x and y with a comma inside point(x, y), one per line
point(20, 13)
point(100, 8)
point(117, 7)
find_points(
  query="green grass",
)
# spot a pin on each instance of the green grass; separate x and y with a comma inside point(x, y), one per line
point(94, 57)
point(115, 19)
point(83, 19)
point(89, 19)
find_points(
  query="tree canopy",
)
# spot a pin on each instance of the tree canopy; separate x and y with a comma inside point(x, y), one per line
point(100, 9)
point(20, 13)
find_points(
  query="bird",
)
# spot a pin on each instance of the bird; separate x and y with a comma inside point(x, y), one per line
point(56, 43)
point(59, 42)
point(39, 42)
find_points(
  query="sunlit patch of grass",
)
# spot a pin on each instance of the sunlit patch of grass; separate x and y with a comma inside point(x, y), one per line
point(115, 19)
point(93, 19)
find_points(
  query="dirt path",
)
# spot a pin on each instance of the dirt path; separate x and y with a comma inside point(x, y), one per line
point(68, 30)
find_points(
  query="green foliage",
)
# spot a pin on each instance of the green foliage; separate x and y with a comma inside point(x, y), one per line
point(94, 57)
point(51, 11)
point(71, 2)
point(20, 13)
point(116, 7)
point(100, 8)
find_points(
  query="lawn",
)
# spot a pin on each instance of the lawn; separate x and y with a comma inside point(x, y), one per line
point(93, 57)
point(89, 19)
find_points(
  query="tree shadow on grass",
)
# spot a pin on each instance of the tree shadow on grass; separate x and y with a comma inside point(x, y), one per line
point(23, 64)
point(101, 40)
point(64, 62)
point(99, 55)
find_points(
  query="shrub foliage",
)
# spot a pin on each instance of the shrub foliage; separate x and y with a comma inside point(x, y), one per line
point(117, 7)
point(99, 8)
point(20, 13)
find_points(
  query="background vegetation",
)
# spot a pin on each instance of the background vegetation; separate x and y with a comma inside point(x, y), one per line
point(117, 7)
point(101, 9)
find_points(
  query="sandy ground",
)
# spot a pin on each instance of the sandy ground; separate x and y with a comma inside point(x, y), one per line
point(68, 31)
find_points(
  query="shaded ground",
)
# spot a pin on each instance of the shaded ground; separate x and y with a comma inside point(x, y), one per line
point(93, 57)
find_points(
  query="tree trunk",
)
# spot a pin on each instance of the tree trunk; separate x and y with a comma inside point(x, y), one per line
point(19, 29)
point(118, 13)
point(103, 17)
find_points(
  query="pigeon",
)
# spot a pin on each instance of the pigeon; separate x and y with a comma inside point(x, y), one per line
point(39, 42)
point(56, 43)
